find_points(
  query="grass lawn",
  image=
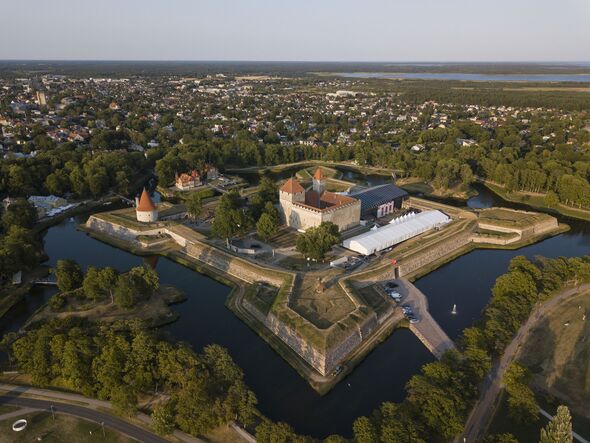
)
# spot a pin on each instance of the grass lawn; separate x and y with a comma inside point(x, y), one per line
point(511, 219)
point(322, 308)
point(530, 433)
point(537, 201)
point(308, 172)
point(415, 187)
point(64, 429)
point(558, 353)
point(224, 434)
point(503, 423)
point(4, 409)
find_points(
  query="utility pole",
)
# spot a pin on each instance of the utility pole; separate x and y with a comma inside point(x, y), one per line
point(102, 425)
point(52, 412)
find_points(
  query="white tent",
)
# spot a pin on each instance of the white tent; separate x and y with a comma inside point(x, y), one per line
point(397, 231)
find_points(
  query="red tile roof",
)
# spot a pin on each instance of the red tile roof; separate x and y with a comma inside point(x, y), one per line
point(319, 175)
point(326, 200)
point(145, 202)
point(292, 186)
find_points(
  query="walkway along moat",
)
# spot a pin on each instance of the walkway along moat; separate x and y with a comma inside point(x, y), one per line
point(383, 374)
point(427, 330)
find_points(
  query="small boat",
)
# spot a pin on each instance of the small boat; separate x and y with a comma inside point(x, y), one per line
point(454, 311)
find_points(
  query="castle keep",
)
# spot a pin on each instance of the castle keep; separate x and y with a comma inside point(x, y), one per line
point(303, 209)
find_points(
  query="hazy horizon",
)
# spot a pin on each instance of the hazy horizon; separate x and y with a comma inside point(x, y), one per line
point(378, 31)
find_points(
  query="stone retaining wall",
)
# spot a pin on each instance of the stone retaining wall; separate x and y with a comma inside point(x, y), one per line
point(232, 265)
point(322, 361)
point(440, 250)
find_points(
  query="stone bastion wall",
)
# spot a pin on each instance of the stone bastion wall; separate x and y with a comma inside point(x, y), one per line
point(322, 360)
point(438, 251)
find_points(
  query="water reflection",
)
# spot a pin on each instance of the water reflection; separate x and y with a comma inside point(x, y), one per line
point(282, 393)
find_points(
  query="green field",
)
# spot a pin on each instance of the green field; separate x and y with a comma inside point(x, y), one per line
point(537, 202)
point(558, 353)
point(64, 429)
point(511, 219)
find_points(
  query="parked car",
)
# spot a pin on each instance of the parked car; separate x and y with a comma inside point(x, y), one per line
point(337, 371)
point(414, 320)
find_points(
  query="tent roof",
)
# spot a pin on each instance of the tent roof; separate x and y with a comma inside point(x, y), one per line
point(400, 229)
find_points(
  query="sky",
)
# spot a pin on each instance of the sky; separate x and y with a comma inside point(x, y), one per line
point(302, 30)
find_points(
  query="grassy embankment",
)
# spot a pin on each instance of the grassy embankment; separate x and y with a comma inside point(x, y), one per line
point(309, 163)
point(415, 185)
point(154, 311)
point(557, 354)
point(537, 201)
point(64, 429)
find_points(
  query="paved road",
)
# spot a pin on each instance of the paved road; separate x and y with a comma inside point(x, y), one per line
point(90, 404)
point(483, 409)
point(88, 414)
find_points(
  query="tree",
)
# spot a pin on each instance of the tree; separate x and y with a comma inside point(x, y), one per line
point(551, 199)
point(19, 213)
point(163, 418)
point(107, 279)
point(18, 251)
point(124, 400)
point(194, 206)
point(522, 405)
point(91, 284)
point(316, 242)
point(229, 218)
point(267, 226)
point(501, 438)
point(439, 393)
point(125, 292)
point(144, 279)
point(267, 189)
point(364, 431)
point(69, 275)
point(398, 426)
point(269, 432)
point(559, 429)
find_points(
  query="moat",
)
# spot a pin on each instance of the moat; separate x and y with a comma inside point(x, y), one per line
point(282, 393)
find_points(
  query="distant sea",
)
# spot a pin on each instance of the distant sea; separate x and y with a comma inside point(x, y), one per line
point(583, 78)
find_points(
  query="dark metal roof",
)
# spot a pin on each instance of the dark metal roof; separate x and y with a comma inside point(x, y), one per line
point(372, 198)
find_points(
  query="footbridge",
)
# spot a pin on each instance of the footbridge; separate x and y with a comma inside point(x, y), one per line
point(427, 330)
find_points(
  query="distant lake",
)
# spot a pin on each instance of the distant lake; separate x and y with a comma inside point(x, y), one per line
point(583, 78)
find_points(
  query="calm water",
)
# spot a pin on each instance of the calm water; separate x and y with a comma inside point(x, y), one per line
point(282, 394)
point(347, 174)
point(584, 78)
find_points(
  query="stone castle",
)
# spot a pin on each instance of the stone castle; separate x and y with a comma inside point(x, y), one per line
point(303, 209)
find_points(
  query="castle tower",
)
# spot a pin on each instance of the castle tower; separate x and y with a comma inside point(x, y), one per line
point(319, 182)
point(291, 192)
point(145, 209)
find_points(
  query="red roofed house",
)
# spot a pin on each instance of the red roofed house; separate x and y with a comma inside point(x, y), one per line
point(184, 182)
point(145, 209)
point(303, 209)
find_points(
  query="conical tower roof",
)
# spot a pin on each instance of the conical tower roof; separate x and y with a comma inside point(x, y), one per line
point(145, 202)
point(319, 174)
